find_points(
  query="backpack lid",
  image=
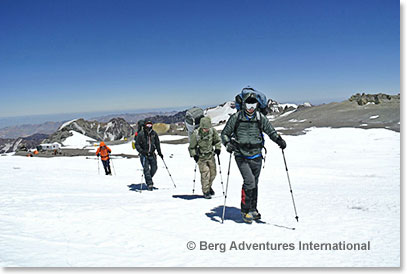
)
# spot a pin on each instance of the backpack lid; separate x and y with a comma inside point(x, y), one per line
point(140, 124)
point(193, 116)
point(261, 98)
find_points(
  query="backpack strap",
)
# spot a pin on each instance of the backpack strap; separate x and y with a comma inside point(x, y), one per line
point(258, 117)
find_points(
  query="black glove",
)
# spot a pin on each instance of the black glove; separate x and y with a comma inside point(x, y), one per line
point(281, 143)
point(217, 151)
point(98, 154)
point(230, 147)
point(196, 158)
point(161, 155)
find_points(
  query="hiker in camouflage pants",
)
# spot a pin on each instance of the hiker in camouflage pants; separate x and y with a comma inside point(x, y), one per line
point(201, 148)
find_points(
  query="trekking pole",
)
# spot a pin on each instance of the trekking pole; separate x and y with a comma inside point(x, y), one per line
point(141, 182)
point(289, 183)
point(114, 170)
point(98, 166)
point(169, 172)
point(193, 188)
point(142, 175)
point(264, 158)
point(226, 193)
point(220, 172)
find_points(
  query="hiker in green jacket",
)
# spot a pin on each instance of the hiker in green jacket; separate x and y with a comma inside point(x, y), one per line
point(204, 144)
point(243, 136)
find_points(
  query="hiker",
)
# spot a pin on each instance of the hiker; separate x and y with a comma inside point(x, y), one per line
point(147, 142)
point(104, 151)
point(201, 148)
point(243, 136)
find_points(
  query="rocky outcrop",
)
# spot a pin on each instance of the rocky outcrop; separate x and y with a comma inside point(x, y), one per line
point(363, 99)
point(22, 143)
point(115, 129)
point(168, 119)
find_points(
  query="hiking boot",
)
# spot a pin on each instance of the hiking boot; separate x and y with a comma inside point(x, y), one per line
point(256, 215)
point(150, 187)
point(247, 217)
point(211, 192)
point(207, 195)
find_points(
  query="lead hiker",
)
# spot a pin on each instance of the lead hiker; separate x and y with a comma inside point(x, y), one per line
point(147, 142)
point(104, 152)
point(243, 136)
point(204, 144)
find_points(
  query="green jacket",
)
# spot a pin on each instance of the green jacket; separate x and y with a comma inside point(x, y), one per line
point(202, 143)
point(247, 133)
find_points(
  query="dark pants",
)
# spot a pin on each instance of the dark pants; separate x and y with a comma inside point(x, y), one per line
point(106, 166)
point(149, 164)
point(250, 170)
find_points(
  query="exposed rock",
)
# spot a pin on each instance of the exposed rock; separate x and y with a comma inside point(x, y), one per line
point(363, 99)
point(168, 119)
point(305, 105)
point(115, 129)
point(161, 128)
point(22, 143)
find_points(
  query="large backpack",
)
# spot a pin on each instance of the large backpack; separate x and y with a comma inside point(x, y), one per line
point(261, 98)
point(140, 125)
point(192, 119)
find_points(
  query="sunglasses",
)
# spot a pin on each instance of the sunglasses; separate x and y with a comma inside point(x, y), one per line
point(251, 106)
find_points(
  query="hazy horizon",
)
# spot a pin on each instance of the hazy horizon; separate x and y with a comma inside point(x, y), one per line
point(10, 121)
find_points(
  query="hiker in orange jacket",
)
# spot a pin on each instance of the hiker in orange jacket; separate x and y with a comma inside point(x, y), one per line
point(104, 151)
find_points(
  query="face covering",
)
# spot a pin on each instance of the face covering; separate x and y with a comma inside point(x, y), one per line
point(251, 106)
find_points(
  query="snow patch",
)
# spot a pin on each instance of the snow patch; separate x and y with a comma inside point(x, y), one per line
point(78, 127)
point(77, 140)
point(287, 113)
point(297, 121)
point(67, 123)
point(374, 117)
point(220, 113)
point(171, 137)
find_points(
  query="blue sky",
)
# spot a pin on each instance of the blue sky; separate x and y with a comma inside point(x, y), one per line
point(83, 56)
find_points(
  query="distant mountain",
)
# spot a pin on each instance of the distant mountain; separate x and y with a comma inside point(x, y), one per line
point(115, 129)
point(13, 132)
point(168, 119)
point(360, 110)
point(133, 117)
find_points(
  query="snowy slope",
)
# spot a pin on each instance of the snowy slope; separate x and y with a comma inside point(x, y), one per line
point(346, 183)
point(220, 113)
point(77, 140)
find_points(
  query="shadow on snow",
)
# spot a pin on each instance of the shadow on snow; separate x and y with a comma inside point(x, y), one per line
point(188, 197)
point(231, 214)
point(137, 187)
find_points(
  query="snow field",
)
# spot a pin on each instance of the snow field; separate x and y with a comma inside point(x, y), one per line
point(346, 185)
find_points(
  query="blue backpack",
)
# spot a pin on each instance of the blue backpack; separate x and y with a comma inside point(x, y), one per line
point(261, 98)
